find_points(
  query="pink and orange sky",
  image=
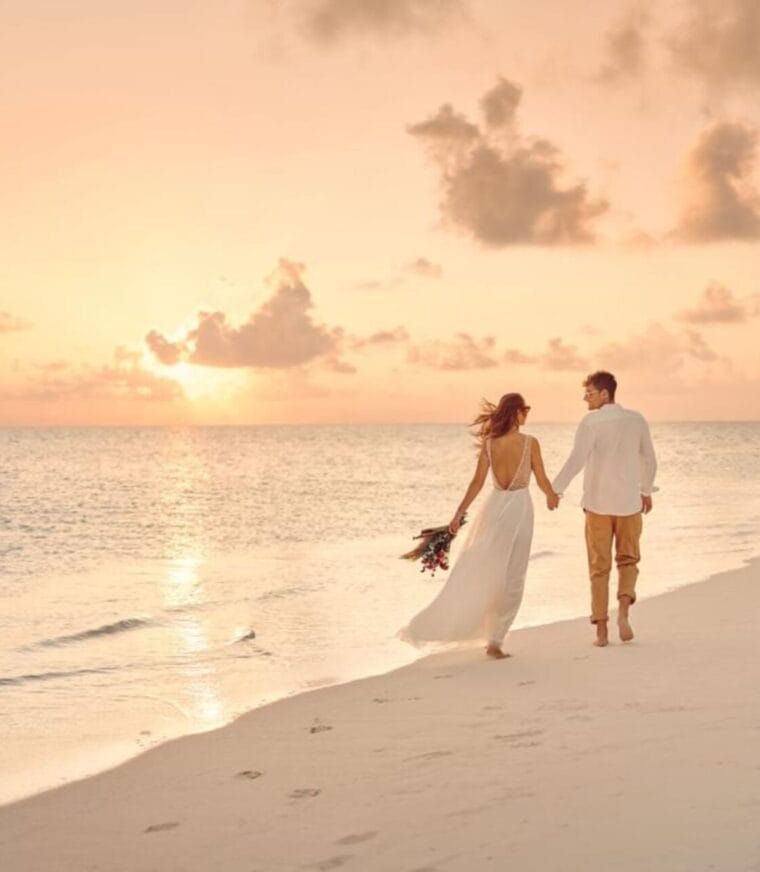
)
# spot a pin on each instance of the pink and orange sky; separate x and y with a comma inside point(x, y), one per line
point(285, 211)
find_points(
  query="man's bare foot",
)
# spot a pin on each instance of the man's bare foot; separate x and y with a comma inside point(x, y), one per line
point(601, 634)
point(496, 652)
point(625, 630)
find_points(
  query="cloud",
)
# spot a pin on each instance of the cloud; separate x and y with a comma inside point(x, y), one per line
point(462, 354)
point(10, 324)
point(657, 351)
point(625, 48)
point(279, 335)
point(167, 352)
point(720, 200)
point(381, 338)
point(499, 105)
point(124, 378)
point(698, 347)
point(423, 267)
point(720, 41)
point(327, 21)
point(501, 187)
point(717, 305)
point(560, 357)
point(518, 358)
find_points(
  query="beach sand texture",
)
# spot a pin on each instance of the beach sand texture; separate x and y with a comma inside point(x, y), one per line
point(637, 757)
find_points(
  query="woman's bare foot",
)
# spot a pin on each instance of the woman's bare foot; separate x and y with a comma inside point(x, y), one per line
point(625, 629)
point(496, 652)
point(601, 634)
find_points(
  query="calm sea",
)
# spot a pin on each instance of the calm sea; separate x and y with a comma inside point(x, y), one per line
point(156, 582)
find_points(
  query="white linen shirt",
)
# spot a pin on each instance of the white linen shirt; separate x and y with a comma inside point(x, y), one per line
point(614, 448)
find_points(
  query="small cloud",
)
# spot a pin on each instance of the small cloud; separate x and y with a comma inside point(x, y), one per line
point(657, 350)
point(717, 305)
point(423, 267)
point(327, 21)
point(499, 105)
point(462, 354)
point(719, 41)
point(697, 347)
point(165, 351)
point(124, 378)
point(10, 324)
point(560, 357)
point(519, 358)
point(501, 187)
point(625, 48)
point(381, 338)
point(720, 200)
point(279, 335)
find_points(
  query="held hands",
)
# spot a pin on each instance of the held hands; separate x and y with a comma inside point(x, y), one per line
point(552, 501)
point(646, 504)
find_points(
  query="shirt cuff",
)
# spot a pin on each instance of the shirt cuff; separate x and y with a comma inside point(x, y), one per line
point(648, 492)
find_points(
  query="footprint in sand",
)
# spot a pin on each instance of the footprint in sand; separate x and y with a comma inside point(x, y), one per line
point(304, 792)
point(564, 705)
point(331, 862)
point(249, 773)
point(319, 728)
point(525, 683)
point(519, 740)
point(447, 675)
point(380, 699)
point(357, 838)
point(158, 828)
point(431, 755)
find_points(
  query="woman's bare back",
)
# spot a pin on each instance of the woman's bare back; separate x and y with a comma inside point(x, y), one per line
point(506, 454)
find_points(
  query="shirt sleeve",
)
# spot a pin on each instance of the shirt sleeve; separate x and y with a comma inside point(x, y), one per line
point(584, 439)
point(648, 462)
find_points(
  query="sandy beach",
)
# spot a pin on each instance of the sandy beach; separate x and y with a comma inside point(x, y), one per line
point(639, 756)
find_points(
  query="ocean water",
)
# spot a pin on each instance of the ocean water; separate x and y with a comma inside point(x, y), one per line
point(156, 582)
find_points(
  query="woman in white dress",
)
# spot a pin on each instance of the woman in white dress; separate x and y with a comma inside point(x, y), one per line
point(481, 597)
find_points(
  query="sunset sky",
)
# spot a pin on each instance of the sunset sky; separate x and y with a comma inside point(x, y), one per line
point(295, 211)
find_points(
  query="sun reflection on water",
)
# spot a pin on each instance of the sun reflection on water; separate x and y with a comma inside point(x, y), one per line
point(183, 589)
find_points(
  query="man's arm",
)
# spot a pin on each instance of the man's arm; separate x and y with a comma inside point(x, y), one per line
point(584, 439)
point(648, 462)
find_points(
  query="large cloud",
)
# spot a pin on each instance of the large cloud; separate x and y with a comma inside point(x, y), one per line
point(721, 202)
point(717, 305)
point(329, 20)
point(501, 187)
point(720, 41)
point(279, 335)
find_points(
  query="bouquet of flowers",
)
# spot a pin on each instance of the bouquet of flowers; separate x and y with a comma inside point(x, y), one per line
point(433, 550)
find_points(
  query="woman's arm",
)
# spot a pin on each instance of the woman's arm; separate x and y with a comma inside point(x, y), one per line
point(537, 465)
point(481, 471)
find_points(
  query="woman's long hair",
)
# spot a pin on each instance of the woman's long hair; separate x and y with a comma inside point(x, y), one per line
point(496, 420)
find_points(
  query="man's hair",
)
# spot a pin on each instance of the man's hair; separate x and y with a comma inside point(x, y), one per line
point(602, 380)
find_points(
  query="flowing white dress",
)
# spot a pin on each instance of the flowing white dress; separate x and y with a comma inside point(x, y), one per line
point(484, 590)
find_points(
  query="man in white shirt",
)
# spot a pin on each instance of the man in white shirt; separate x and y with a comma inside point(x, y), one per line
point(614, 448)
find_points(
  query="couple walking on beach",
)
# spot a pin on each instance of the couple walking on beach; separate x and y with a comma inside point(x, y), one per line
point(483, 592)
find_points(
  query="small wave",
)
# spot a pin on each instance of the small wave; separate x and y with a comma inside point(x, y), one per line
point(105, 630)
point(250, 634)
point(50, 676)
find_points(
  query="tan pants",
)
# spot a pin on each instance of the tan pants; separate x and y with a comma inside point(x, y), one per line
point(600, 532)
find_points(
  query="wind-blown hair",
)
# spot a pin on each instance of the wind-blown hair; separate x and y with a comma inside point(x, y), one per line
point(496, 420)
